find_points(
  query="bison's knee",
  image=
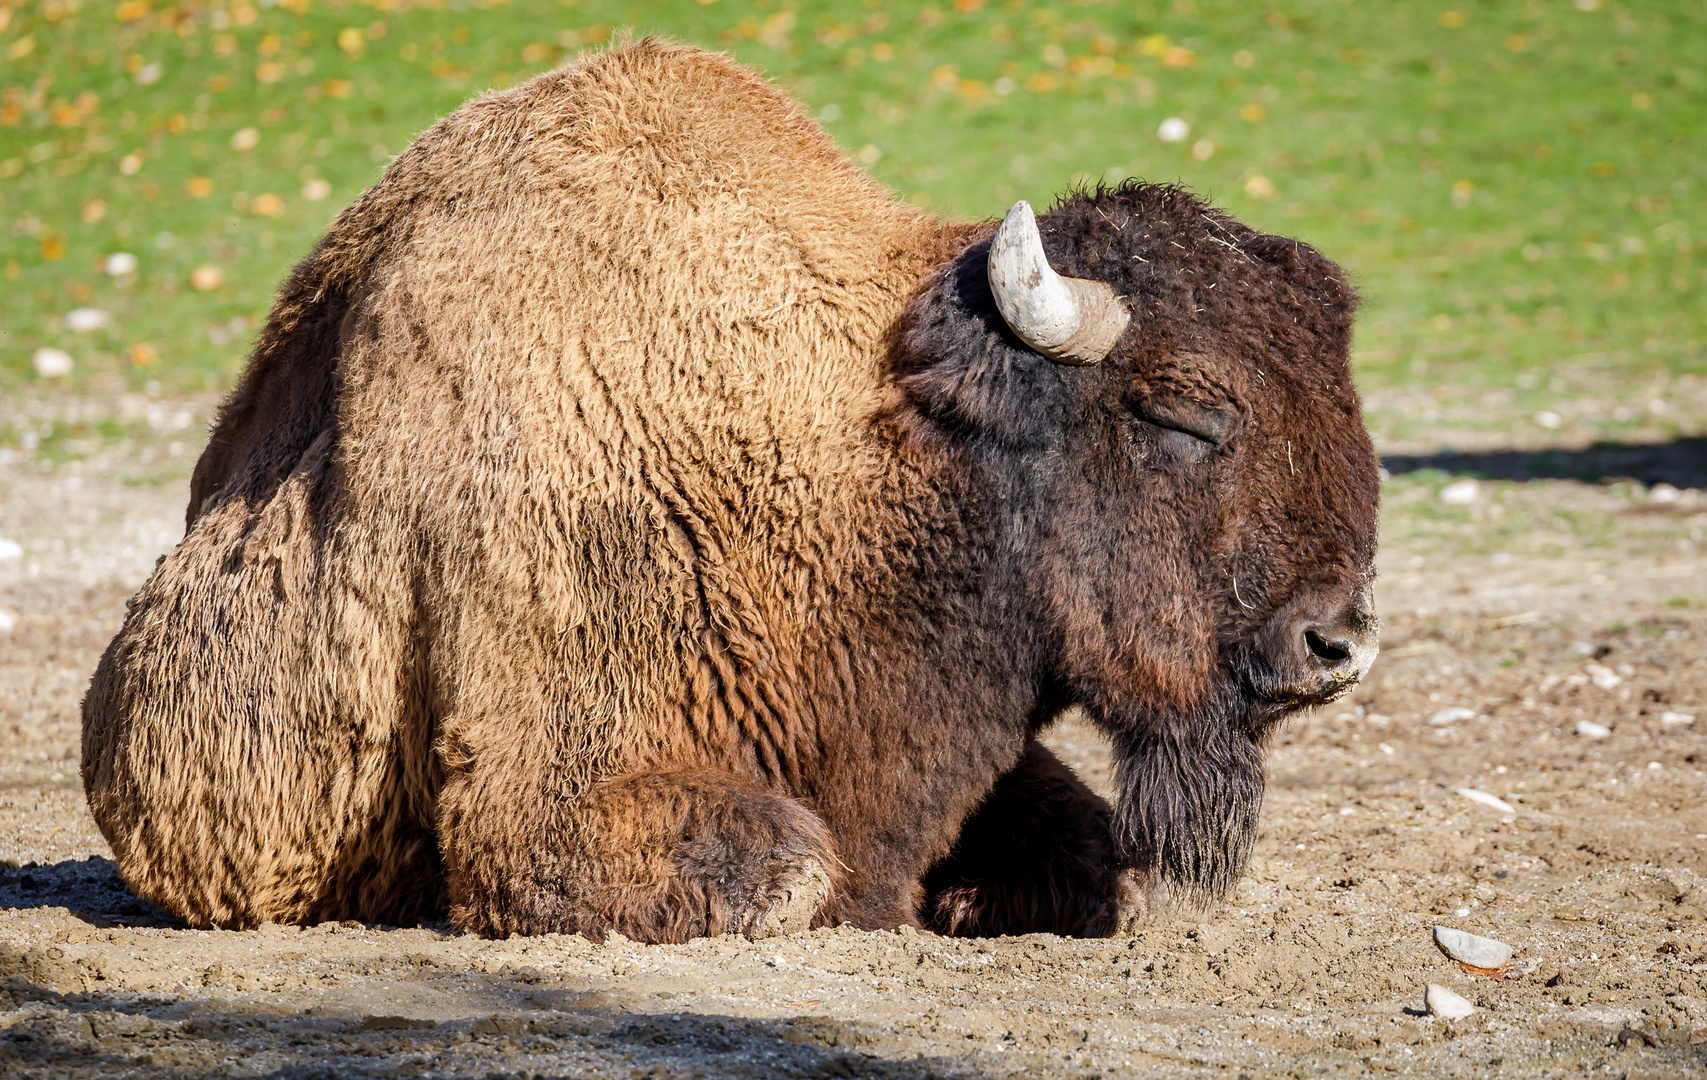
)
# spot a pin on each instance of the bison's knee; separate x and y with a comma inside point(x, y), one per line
point(657, 857)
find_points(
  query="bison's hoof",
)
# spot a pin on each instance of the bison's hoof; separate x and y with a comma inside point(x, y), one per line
point(792, 908)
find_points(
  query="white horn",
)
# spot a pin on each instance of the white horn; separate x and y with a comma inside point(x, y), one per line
point(1070, 320)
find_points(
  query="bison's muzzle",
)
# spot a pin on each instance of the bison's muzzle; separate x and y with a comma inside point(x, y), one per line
point(1319, 646)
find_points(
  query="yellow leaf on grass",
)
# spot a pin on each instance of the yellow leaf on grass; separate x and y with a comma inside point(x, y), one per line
point(1178, 56)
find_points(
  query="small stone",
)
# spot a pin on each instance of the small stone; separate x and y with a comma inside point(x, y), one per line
point(1493, 802)
point(1664, 493)
point(1461, 492)
point(1173, 129)
point(52, 363)
point(10, 549)
point(1451, 715)
point(84, 319)
point(1588, 729)
point(120, 263)
point(1441, 1002)
point(8, 621)
point(1603, 676)
point(1676, 719)
point(1548, 419)
point(1469, 949)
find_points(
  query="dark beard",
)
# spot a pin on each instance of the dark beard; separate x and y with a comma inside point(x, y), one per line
point(1188, 796)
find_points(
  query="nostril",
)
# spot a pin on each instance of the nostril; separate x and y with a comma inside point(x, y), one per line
point(1329, 652)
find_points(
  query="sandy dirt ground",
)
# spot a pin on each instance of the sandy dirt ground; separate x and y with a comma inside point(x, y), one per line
point(1590, 859)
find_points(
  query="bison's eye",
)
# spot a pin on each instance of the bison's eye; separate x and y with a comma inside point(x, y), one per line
point(1185, 434)
point(1182, 446)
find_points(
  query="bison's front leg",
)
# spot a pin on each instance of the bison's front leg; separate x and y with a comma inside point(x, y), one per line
point(655, 856)
point(1037, 856)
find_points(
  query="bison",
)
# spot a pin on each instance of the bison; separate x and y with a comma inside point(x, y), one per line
point(633, 518)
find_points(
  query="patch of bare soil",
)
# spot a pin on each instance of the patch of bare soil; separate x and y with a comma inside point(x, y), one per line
point(1586, 852)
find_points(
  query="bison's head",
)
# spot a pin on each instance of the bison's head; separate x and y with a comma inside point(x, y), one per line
point(1161, 401)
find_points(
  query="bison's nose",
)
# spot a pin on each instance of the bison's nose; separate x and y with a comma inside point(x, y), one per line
point(1343, 654)
point(1321, 644)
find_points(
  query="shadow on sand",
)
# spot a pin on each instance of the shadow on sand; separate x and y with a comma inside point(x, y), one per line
point(1682, 463)
point(89, 888)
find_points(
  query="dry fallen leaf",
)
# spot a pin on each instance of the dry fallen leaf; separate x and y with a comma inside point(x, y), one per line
point(1517, 969)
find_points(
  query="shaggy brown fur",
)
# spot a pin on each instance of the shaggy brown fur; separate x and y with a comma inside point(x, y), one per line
point(634, 518)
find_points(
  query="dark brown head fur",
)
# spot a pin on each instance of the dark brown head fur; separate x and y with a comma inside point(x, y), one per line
point(1173, 503)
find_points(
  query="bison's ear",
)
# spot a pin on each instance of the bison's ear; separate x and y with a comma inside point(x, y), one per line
point(1069, 320)
point(960, 366)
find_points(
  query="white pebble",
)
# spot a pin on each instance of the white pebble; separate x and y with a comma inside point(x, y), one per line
point(52, 363)
point(1603, 676)
point(1493, 802)
point(1548, 420)
point(1664, 493)
point(1461, 492)
point(84, 319)
point(11, 549)
point(120, 263)
point(7, 621)
point(1673, 719)
point(1441, 1002)
point(1469, 949)
point(1173, 129)
point(1451, 715)
point(1588, 729)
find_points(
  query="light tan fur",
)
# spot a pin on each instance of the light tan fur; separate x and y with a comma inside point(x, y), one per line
point(534, 467)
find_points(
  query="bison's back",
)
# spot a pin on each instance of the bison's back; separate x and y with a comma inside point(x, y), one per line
point(524, 468)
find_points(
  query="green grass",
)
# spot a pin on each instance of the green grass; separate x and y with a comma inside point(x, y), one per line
point(1525, 520)
point(1517, 187)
